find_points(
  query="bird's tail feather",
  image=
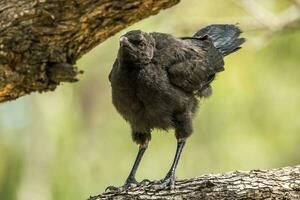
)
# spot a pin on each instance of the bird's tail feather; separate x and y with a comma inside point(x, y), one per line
point(225, 37)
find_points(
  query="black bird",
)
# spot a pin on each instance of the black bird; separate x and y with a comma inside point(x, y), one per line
point(156, 79)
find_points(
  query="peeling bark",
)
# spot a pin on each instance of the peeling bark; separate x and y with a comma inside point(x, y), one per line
point(40, 40)
point(283, 184)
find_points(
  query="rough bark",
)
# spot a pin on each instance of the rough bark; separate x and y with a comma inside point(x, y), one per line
point(283, 184)
point(40, 40)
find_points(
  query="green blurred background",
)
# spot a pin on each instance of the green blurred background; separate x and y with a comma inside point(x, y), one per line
point(72, 143)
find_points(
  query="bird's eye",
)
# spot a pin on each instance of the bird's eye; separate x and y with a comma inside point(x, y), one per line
point(136, 42)
point(142, 44)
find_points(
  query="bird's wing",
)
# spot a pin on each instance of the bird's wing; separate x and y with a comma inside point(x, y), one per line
point(197, 71)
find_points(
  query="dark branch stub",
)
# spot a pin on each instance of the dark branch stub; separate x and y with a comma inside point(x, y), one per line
point(40, 41)
point(63, 72)
point(283, 183)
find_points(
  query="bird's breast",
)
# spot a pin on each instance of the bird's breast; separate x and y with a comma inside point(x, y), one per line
point(144, 98)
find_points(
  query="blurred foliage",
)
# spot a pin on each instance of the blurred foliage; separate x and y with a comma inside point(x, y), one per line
point(72, 143)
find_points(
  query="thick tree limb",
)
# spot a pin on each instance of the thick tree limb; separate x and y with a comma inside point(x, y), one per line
point(283, 183)
point(40, 40)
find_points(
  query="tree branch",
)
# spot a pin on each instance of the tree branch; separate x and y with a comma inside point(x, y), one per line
point(283, 183)
point(37, 36)
point(288, 19)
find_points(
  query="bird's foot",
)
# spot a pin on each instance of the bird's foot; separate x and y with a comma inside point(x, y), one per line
point(144, 182)
point(130, 183)
point(166, 183)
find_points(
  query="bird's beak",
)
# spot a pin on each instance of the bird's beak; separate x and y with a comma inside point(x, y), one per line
point(124, 41)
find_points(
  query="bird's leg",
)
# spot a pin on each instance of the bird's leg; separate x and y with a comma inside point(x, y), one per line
point(142, 139)
point(183, 129)
point(169, 180)
point(131, 181)
point(131, 178)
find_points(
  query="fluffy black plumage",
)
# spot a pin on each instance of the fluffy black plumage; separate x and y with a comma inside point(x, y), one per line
point(157, 78)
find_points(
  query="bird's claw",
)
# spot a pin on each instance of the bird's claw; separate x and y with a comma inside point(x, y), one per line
point(144, 182)
point(119, 189)
point(166, 183)
point(128, 184)
point(112, 189)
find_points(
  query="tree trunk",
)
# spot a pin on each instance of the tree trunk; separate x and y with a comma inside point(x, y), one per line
point(283, 184)
point(40, 40)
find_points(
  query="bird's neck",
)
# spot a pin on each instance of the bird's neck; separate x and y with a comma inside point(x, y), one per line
point(129, 64)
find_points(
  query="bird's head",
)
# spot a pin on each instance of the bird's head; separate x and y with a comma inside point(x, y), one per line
point(136, 47)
